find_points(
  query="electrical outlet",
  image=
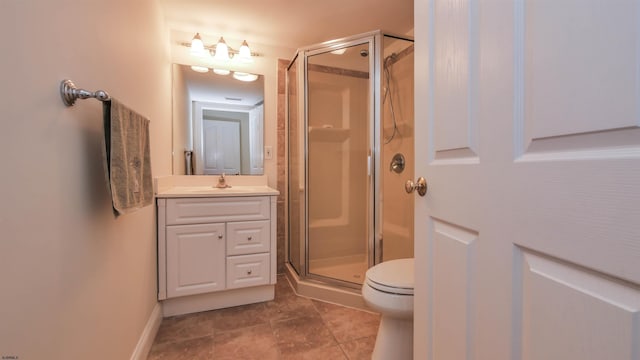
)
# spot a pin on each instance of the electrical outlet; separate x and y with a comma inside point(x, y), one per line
point(268, 152)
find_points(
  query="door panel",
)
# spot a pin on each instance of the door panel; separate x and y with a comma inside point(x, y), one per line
point(454, 89)
point(580, 63)
point(556, 82)
point(574, 301)
point(453, 290)
point(527, 243)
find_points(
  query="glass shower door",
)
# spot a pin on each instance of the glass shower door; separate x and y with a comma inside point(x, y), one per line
point(339, 181)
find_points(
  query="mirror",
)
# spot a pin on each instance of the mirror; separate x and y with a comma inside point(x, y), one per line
point(218, 123)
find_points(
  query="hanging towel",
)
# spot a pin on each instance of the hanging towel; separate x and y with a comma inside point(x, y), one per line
point(128, 158)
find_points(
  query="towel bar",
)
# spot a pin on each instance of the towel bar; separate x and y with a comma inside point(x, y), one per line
point(70, 93)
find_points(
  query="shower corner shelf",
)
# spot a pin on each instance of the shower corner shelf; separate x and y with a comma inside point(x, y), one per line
point(328, 134)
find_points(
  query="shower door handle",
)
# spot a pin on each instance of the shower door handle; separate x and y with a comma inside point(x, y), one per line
point(420, 185)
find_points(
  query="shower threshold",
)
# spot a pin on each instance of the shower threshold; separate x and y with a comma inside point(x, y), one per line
point(324, 291)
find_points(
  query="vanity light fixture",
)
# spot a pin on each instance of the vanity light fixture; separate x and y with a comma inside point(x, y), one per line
point(220, 51)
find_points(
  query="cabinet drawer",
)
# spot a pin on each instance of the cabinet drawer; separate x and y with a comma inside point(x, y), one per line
point(207, 210)
point(248, 237)
point(247, 270)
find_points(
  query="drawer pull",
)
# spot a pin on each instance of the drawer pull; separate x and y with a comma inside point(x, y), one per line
point(249, 238)
point(249, 272)
point(220, 236)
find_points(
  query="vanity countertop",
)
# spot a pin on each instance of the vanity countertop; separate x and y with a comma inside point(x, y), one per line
point(212, 191)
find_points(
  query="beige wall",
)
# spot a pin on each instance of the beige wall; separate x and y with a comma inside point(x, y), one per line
point(75, 282)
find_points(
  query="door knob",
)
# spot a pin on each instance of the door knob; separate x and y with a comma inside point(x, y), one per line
point(420, 185)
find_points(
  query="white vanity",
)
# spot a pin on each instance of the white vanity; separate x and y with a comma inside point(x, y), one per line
point(216, 247)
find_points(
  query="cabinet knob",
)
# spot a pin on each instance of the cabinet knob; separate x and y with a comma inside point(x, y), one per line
point(220, 236)
point(249, 238)
point(249, 272)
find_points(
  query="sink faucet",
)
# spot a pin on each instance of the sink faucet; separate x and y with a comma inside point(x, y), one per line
point(222, 182)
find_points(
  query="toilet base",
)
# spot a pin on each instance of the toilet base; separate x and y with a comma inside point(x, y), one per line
point(394, 340)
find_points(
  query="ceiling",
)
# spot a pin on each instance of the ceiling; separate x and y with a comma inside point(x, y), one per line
point(210, 87)
point(288, 23)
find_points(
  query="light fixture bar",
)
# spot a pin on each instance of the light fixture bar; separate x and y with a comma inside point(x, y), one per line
point(212, 48)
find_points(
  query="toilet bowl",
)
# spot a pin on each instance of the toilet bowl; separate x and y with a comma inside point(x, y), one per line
point(388, 289)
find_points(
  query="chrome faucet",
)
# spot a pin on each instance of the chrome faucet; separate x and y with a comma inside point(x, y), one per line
point(222, 182)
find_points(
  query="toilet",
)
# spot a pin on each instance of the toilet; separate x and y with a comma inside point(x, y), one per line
point(388, 289)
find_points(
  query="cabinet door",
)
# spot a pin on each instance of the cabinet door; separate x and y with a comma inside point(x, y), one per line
point(195, 259)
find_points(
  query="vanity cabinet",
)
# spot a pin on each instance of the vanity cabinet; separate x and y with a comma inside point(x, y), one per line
point(215, 252)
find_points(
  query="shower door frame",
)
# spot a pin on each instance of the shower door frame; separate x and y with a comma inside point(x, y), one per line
point(373, 39)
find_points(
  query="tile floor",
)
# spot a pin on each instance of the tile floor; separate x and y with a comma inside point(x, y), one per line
point(289, 327)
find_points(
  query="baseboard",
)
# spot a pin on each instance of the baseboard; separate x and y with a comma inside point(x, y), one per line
point(217, 300)
point(148, 334)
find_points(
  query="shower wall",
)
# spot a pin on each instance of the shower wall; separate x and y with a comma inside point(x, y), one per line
point(397, 205)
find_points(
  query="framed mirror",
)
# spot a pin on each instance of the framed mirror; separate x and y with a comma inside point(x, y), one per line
point(218, 123)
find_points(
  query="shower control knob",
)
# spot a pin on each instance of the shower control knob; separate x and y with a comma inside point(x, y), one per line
point(420, 185)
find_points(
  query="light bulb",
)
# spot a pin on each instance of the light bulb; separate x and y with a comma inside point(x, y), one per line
point(197, 46)
point(222, 51)
point(244, 54)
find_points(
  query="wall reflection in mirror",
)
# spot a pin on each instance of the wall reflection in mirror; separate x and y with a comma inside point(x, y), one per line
point(218, 123)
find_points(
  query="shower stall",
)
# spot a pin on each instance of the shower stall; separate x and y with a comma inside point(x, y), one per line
point(350, 150)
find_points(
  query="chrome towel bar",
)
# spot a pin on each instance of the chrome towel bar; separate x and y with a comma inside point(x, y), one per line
point(70, 93)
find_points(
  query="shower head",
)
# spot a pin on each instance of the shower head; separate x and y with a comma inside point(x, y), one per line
point(390, 58)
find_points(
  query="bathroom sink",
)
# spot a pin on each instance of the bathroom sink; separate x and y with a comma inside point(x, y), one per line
point(197, 189)
point(203, 191)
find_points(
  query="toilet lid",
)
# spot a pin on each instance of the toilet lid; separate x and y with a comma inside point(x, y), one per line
point(393, 276)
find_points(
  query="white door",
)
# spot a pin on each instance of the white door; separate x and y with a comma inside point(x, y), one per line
point(221, 147)
point(527, 243)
